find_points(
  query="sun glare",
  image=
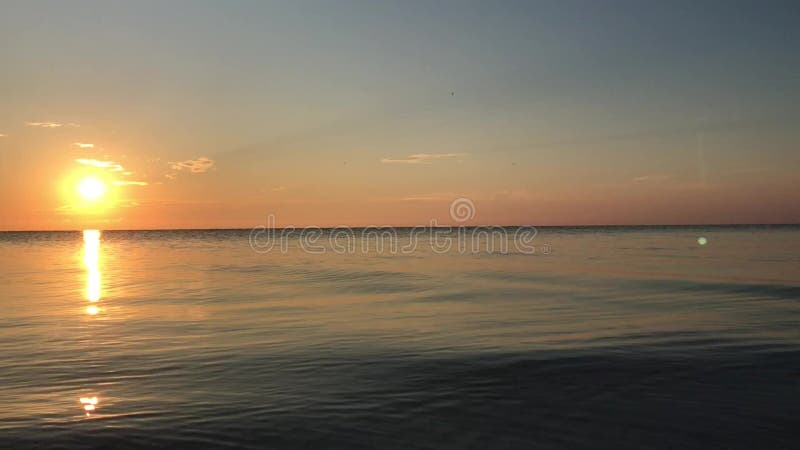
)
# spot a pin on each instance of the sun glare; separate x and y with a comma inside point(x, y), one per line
point(91, 189)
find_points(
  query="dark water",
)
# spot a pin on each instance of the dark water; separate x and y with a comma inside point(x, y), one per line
point(618, 338)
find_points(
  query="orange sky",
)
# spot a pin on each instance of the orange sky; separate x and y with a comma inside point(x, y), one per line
point(198, 116)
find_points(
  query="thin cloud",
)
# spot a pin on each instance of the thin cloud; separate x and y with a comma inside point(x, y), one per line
point(421, 158)
point(199, 165)
point(748, 171)
point(44, 124)
point(2, 135)
point(435, 197)
point(128, 204)
point(129, 183)
point(667, 181)
point(653, 178)
point(111, 166)
point(83, 145)
point(69, 210)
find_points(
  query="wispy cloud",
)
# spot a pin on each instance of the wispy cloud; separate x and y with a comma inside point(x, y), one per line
point(129, 183)
point(83, 145)
point(421, 158)
point(748, 171)
point(111, 166)
point(653, 178)
point(2, 135)
point(434, 197)
point(199, 165)
point(44, 124)
point(668, 181)
point(50, 124)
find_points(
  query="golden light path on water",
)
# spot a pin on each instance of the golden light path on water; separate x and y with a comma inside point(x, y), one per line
point(91, 259)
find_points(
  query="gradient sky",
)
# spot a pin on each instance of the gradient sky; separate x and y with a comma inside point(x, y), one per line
point(215, 114)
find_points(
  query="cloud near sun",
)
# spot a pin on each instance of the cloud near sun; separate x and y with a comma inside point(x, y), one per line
point(421, 158)
point(129, 183)
point(199, 165)
point(111, 166)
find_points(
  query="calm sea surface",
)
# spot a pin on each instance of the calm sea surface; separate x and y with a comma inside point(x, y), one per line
point(618, 338)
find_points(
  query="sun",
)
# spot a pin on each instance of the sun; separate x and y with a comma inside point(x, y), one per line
point(91, 189)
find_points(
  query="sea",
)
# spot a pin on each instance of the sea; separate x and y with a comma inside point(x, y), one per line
point(600, 337)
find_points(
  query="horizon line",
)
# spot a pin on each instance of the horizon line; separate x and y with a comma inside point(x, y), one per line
point(685, 225)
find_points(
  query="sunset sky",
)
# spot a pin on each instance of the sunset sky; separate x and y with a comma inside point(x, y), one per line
point(215, 114)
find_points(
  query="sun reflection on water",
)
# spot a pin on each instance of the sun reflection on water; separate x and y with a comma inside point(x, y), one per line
point(91, 259)
point(89, 405)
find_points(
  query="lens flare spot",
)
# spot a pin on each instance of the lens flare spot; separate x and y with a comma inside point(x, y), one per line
point(702, 240)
